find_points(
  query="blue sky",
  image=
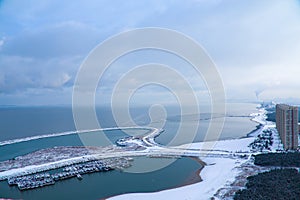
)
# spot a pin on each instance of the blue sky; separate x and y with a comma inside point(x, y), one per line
point(255, 44)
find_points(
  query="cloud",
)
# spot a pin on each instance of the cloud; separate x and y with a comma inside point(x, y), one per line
point(2, 41)
point(265, 81)
point(23, 73)
point(255, 46)
point(64, 39)
point(236, 33)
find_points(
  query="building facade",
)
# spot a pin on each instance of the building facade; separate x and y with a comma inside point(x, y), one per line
point(287, 125)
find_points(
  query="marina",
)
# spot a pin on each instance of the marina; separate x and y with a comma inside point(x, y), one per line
point(45, 179)
point(31, 182)
point(61, 147)
point(114, 182)
point(112, 157)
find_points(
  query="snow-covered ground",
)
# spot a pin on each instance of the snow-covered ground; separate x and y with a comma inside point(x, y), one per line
point(218, 173)
point(214, 176)
point(7, 142)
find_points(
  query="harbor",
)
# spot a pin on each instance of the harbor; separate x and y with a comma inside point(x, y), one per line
point(72, 171)
point(31, 182)
point(103, 185)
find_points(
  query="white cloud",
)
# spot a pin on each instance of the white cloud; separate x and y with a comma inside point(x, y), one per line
point(256, 46)
point(20, 74)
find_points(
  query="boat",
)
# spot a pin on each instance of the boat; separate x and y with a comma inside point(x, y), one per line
point(79, 177)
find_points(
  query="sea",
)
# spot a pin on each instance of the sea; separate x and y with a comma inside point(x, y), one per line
point(20, 122)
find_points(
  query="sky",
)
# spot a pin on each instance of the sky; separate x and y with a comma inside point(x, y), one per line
point(254, 44)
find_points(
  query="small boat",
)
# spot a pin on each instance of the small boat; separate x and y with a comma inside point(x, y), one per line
point(79, 176)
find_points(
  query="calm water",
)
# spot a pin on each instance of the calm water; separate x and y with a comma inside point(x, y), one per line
point(100, 185)
point(24, 122)
point(19, 122)
point(236, 124)
point(21, 148)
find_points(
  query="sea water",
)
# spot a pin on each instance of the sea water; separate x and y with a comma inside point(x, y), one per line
point(20, 122)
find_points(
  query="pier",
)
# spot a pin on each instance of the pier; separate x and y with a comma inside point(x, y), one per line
point(77, 161)
point(45, 179)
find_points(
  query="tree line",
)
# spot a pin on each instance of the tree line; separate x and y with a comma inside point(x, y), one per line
point(275, 184)
point(284, 159)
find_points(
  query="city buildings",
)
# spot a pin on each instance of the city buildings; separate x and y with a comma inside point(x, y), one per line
point(287, 125)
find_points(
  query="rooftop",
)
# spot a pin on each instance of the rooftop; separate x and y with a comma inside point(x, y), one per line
point(286, 107)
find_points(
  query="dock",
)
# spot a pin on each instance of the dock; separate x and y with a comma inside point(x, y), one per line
point(45, 179)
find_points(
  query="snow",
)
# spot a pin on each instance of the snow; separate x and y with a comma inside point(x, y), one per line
point(233, 145)
point(260, 117)
point(214, 176)
point(43, 167)
point(7, 142)
point(218, 172)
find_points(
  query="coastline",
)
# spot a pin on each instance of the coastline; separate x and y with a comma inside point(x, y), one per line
point(221, 163)
point(193, 179)
point(37, 137)
point(196, 175)
point(219, 174)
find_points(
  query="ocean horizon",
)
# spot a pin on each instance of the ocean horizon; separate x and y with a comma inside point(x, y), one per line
point(33, 121)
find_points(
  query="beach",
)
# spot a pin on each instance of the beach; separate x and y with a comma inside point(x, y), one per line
point(226, 155)
point(219, 174)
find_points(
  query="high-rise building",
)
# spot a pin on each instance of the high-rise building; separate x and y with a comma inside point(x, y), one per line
point(287, 125)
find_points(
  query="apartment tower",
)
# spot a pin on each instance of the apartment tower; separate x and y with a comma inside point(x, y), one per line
point(287, 125)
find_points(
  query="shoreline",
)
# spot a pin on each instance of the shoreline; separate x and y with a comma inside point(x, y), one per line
point(218, 174)
point(258, 128)
point(195, 176)
point(228, 147)
point(37, 137)
point(192, 179)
